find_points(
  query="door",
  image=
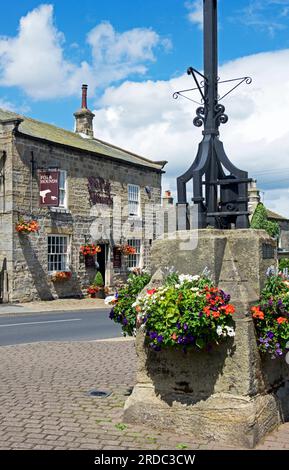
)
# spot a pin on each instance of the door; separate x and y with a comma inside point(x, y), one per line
point(101, 259)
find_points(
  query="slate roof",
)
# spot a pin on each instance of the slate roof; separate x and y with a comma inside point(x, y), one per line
point(50, 133)
point(275, 216)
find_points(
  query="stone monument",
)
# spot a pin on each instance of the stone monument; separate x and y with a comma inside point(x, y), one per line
point(231, 395)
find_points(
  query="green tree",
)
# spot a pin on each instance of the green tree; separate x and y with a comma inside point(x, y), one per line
point(98, 280)
point(260, 222)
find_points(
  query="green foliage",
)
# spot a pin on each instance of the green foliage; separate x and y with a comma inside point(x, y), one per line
point(123, 312)
point(271, 316)
point(284, 264)
point(260, 222)
point(181, 446)
point(98, 280)
point(121, 426)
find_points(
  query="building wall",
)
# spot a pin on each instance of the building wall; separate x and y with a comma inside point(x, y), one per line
point(82, 221)
point(6, 203)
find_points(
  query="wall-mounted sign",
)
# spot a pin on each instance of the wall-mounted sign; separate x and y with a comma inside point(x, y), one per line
point(99, 191)
point(48, 188)
point(116, 258)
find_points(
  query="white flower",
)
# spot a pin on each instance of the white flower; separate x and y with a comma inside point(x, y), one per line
point(177, 286)
point(185, 277)
point(195, 289)
point(230, 331)
point(195, 278)
point(109, 299)
point(219, 331)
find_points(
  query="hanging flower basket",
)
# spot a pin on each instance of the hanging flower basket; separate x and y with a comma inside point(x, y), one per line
point(27, 227)
point(60, 276)
point(90, 249)
point(126, 249)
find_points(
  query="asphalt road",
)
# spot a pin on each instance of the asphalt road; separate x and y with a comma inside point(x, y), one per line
point(84, 325)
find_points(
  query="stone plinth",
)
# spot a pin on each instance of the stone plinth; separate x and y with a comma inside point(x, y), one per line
point(229, 394)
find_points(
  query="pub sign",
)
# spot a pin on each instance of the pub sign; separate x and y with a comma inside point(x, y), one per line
point(48, 188)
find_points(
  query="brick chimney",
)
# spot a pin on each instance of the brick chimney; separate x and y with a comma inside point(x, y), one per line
point(84, 117)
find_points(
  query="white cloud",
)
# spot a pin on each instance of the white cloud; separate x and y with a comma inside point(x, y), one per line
point(145, 118)
point(195, 14)
point(264, 15)
point(34, 59)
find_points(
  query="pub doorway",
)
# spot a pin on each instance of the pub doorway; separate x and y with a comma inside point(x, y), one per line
point(102, 259)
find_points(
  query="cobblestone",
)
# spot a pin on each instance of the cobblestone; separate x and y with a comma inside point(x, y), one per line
point(44, 402)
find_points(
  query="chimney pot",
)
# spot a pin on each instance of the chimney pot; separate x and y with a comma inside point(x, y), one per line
point(84, 117)
point(84, 97)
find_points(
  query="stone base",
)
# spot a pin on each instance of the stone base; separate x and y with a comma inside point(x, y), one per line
point(224, 418)
point(229, 395)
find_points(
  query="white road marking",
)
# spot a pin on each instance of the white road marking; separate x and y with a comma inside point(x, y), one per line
point(40, 322)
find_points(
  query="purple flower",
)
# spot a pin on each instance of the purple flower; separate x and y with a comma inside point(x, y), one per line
point(153, 335)
point(270, 303)
point(111, 314)
point(178, 325)
point(279, 352)
point(270, 334)
point(201, 314)
point(160, 339)
point(185, 327)
point(124, 322)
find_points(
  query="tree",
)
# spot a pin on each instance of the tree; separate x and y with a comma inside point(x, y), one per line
point(260, 222)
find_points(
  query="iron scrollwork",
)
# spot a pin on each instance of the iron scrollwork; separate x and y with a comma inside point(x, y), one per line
point(201, 116)
point(220, 116)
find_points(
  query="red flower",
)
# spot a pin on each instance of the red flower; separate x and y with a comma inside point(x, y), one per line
point(281, 320)
point(257, 313)
point(174, 336)
point(151, 291)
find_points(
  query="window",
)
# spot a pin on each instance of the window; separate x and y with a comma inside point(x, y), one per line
point(134, 260)
point(133, 200)
point(58, 253)
point(62, 188)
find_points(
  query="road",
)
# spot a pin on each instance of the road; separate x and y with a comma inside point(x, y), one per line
point(77, 325)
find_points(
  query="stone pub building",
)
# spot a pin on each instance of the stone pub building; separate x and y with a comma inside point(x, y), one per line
point(79, 190)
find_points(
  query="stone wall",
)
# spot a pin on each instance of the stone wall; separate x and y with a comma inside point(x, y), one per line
point(81, 221)
point(6, 201)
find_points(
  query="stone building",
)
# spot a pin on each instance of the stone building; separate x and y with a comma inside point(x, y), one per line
point(283, 222)
point(102, 193)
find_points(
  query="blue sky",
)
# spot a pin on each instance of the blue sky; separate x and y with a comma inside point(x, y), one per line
point(133, 54)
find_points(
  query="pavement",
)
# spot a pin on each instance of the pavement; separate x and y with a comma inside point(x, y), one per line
point(52, 306)
point(44, 400)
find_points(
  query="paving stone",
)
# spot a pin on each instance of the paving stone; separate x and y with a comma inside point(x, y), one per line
point(62, 417)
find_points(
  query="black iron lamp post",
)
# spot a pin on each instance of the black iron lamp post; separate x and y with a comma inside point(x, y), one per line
point(220, 189)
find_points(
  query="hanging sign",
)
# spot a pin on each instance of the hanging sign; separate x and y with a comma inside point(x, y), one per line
point(49, 188)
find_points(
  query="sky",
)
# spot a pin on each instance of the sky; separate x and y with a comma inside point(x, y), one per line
point(133, 54)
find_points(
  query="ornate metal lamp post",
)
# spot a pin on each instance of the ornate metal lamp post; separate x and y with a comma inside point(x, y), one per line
point(220, 189)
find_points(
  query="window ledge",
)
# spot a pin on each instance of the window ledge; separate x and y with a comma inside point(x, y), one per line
point(60, 210)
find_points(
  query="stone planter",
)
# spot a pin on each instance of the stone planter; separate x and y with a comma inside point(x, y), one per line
point(230, 395)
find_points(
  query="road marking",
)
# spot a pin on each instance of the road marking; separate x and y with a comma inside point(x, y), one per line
point(40, 322)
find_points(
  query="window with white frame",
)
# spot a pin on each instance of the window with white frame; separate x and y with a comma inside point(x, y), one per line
point(133, 200)
point(62, 188)
point(134, 260)
point(58, 253)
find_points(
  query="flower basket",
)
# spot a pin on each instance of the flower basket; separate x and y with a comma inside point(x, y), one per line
point(60, 276)
point(186, 312)
point(90, 249)
point(27, 227)
point(271, 317)
point(96, 292)
point(126, 249)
